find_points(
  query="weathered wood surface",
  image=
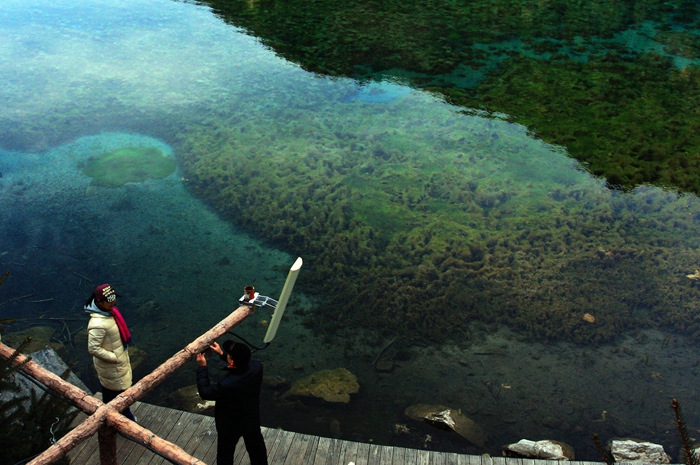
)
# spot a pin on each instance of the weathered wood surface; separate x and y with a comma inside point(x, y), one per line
point(196, 434)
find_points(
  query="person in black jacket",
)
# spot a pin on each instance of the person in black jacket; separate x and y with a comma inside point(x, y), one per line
point(237, 396)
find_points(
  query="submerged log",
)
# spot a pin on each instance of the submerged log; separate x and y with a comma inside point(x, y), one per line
point(4, 277)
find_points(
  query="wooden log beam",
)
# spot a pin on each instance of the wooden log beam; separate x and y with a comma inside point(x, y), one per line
point(80, 398)
point(149, 440)
point(103, 420)
point(138, 390)
point(127, 398)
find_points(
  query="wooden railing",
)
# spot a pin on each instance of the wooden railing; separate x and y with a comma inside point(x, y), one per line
point(105, 419)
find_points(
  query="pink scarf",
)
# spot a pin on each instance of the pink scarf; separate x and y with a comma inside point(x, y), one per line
point(123, 329)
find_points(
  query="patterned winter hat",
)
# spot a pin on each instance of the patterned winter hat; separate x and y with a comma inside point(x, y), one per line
point(105, 293)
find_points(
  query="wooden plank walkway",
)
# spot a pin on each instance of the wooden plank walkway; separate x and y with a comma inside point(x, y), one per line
point(196, 434)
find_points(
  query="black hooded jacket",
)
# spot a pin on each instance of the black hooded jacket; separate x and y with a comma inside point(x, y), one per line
point(237, 396)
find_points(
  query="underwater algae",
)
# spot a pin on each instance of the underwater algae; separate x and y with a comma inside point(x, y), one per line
point(556, 67)
point(128, 164)
point(681, 43)
point(425, 230)
point(633, 121)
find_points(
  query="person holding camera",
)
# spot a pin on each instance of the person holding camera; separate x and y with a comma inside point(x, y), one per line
point(237, 396)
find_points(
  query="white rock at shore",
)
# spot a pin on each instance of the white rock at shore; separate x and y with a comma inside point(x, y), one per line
point(630, 450)
point(449, 419)
point(545, 450)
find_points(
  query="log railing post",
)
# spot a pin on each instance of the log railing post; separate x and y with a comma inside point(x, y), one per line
point(107, 439)
point(105, 418)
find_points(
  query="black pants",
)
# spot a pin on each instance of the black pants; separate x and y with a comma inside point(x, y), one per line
point(108, 394)
point(254, 444)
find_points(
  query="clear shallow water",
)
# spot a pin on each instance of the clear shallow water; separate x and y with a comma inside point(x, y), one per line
point(88, 79)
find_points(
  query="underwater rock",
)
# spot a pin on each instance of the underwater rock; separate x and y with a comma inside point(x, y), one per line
point(420, 411)
point(334, 386)
point(335, 428)
point(185, 398)
point(80, 338)
point(446, 418)
point(630, 450)
point(41, 337)
point(274, 382)
point(148, 307)
point(552, 422)
point(400, 428)
point(188, 399)
point(546, 449)
point(136, 356)
point(128, 164)
point(384, 367)
point(206, 405)
point(460, 424)
point(442, 419)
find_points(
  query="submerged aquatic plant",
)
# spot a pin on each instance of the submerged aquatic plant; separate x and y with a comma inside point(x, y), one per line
point(128, 164)
point(425, 245)
point(422, 235)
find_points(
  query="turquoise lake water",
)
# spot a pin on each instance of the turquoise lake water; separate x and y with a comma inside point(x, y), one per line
point(478, 256)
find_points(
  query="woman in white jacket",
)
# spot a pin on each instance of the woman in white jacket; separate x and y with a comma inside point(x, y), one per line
point(108, 342)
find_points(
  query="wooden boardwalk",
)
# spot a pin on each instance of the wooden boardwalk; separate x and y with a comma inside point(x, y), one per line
point(196, 434)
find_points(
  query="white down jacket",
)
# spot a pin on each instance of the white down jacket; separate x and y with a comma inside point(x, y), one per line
point(109, 355)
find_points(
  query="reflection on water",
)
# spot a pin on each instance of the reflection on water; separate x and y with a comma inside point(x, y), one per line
point(614, 82)
point(476, 247)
